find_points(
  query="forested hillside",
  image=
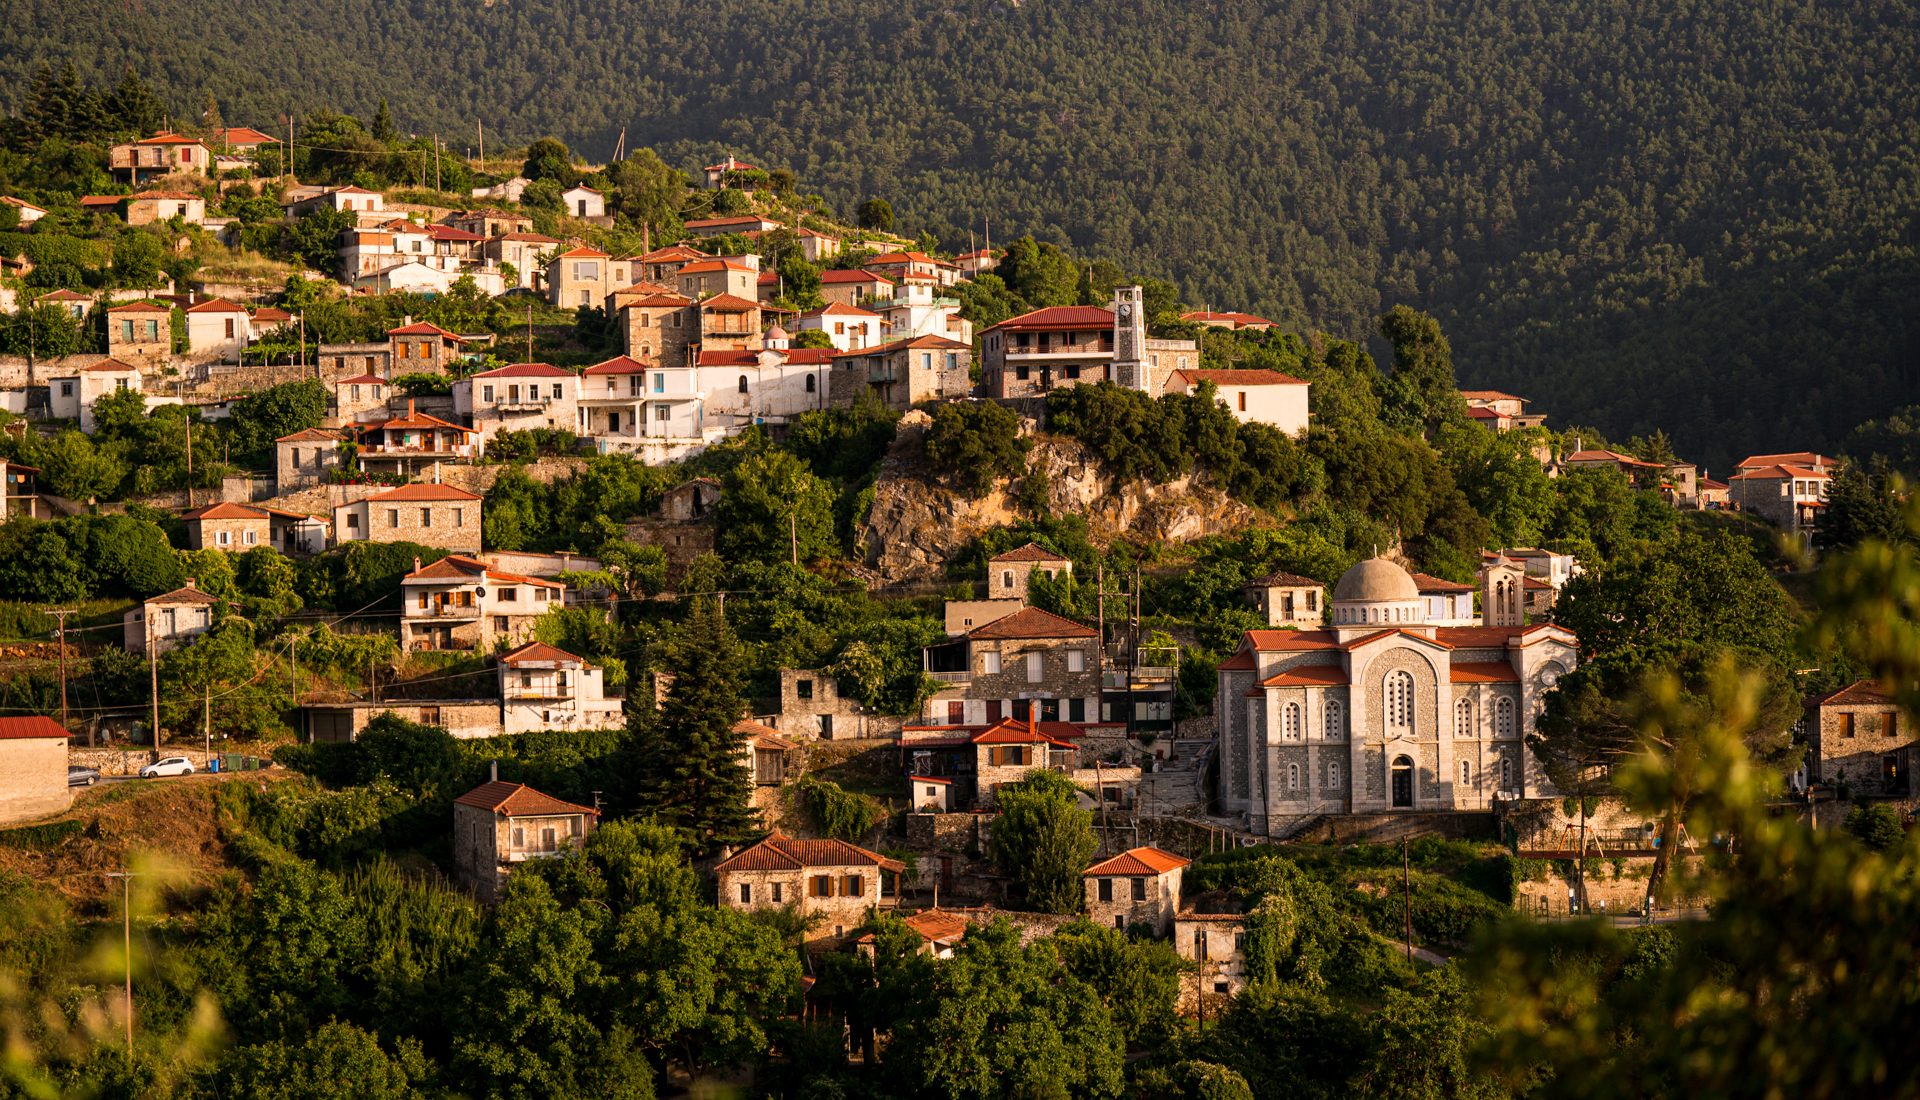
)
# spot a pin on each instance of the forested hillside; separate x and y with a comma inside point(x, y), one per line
point(1704, 218)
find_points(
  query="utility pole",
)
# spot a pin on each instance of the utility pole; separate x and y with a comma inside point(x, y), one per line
point(480, 128)
point(61, 614)
point(1406, 883)
point(529, 330)
point(206, 719)
point(793, 532)
point(436, 162)
point(126, 936)
point(293, 656)
point(153, 686)
point(179, 387)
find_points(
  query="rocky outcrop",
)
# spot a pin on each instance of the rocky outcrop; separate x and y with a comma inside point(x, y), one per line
point(916, 524)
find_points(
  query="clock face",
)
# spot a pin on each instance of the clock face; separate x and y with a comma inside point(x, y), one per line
point(1126, 311)
point(1549, 678)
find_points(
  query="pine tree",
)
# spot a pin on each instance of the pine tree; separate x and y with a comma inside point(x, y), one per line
point(383, 123)
point(695, 777)
point(134, 106)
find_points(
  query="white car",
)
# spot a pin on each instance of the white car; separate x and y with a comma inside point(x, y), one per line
point(172, 765)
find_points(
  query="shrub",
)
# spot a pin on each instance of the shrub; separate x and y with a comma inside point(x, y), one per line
point(1876, 826)
point(839, 813)
point(973, 444)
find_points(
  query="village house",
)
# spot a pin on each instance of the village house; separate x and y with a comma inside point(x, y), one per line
point(428, 276)
point(1138, 886)
point(1715, 495)
point(1503, 412)
point(170, 619)
point(1644, 475)
point(499, 824)
point(729, 324)
point(580, 277)
point(716, 227)
point(1008, 574)
point(1231, 321)
point(29, 213)
point(421, 347)
point(544, 688)
point(768, 755)
point(1861, 742)
point(1287, 599)
point(367, 358)
point(662, 264)
point(1216, 944)
point(1448, 603)
point(304, 459)
point(930, 794)
point(978, 261)
point(854, 288)
point(351, 199)
point(218, 327)
point(1042, 350)
point(900, 266)
point(849, 327)
point(683, 524)
point(917, 310)
point(904, 373)
point(1806, 459)
point(817, 247)
point(491, 222)
point(1010, 748)
point(839, 882)
point(431, 515)
point(996, 670)
point(811, 706)
point(74, 303)
point(519, 397)
point(1253, 396)
point(584, 202)
point(1787, 496)
point(148, 207)
point(1383, 711)
point(735, 276)
point(71, 397)
point(226, 526)
point(458, 603)
point(140, 330)
point(962, 616)
point(296, 532)
point(612, 402)
point(362, 397)
point(164, 154)
point(33, 768)
point(738, 389)
point(724, 174)
point(659, 328)
point(407, 444)
point(20, 491)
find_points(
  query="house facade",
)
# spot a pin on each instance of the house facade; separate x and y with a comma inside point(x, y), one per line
point(218, 327)
point(1138, 886)
point(904, 373)
point(71, 397)
point(1030, 663)
point(304, 459)
point(1789, 497)
point(168, 620)
point(458, 603)
point(544, 688)
point(409, 443)
point(498, 825)
point(33, 768)
point(164, 154)
point(226, 526)
point(140, 330)
point(1253, 396)
point(1861, 740)
point(421, 347)
point(1009, 573)
point(841, 883)
point(1288, 599)
point(429, 514)
point(1382, 711)
point(149, 207)
point(519, 397)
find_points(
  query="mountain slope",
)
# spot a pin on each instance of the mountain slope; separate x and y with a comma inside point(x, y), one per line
point(1704, 219)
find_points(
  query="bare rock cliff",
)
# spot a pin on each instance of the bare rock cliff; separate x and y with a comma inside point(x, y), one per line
point(916, 524)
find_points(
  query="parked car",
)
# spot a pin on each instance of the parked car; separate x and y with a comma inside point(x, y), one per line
point(172, 765)
point(78, 776)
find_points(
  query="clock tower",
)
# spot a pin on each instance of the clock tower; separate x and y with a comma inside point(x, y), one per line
point(1130, 340)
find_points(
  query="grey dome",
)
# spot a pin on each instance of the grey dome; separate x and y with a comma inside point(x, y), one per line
point(1376, 580)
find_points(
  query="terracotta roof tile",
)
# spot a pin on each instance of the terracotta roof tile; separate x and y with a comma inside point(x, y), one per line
point(518, 800)
point(1240, 377)
point(539, 653)
point(1307, 676)
point(619, 364)
point(526, 370)
point(1138, 861)
point(785, 853)
point(1858, 693)
point(1030, 552)
point(1283, 579)
point(31, 728)
point(423, 491)
point(1031, 622)
point(1483, 672)
point(1057, 317)
point(224, 510)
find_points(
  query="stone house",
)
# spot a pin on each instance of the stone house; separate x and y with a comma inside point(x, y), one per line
point(163, 154)
point(499, 824)
point(519, 397)
point(1216, 944)
point(855, 288)
point(140, 329)
point(1811, 460)
point(962, 616)
point(149, 207)
point(341, 722)
point(303, 459)
point(683, 525)
point(296, 532)
point(811, 706)
point(458, 603)
point(75, 304)
point(1030, 657)
point(841, 882)
point(490, 222)
point(1860, 738)
point(1787, 496)
point(1042, 350)
point(429, 514)
point(226, 526)
point(1138, 886)
point(659, 328)
point(1253, 396)
point(544, 688)
point(218, 327)
point(1503, 412)
point(1288, 599)
point(1008, 573)
point(71, 397)
point(718, 174)
point(662, 264)
point(421, 347)
point(904, 373)
point(357, 200)
point(171, 619)
point(33, 768)
point(769, 756)
point(739, 223)
point(1006, 751)
point(339, 360)
point(580, 277)
point(729, 322)
point(361, 397)
point(523, 249)
point(407, 444)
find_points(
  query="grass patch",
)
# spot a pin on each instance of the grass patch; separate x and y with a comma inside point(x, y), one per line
point(38, 838)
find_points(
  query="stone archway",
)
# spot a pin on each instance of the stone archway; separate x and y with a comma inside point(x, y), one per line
point(1400, 783)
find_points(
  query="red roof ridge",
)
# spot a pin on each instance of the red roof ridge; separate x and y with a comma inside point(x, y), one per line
point(1145, 860)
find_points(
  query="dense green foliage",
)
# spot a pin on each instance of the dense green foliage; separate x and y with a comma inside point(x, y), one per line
point(1042, 840)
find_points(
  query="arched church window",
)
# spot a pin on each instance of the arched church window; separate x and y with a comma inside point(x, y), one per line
point(1399, 700)
point(1290, 722)
point(1506, 773)
point(743, 383)
point(1463, 718)
point(1293, 777)
point(1503, 717)
point(1333, 774)
point(810, 383)
point(1336, 720)
point(1466, 773)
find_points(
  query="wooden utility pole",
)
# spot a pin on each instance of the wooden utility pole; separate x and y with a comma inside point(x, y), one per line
point(179, 386)
point(153, 686)
point(793, 532)
point(529, 330)
point(206, 720)
point(61, 614)
point(480, 128)
point(436, 162)
point(1406, 883)
point(126, 937)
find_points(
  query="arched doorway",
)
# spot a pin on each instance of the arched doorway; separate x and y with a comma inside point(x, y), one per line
point(1402, 782)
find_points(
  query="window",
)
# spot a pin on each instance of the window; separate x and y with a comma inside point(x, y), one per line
point(500, 623)
point(1243, 400)
point(811, 385)
point(1399, 699)
point(426, 517)
point(778, 891)
point(990, 662)
point(1333, 774)
point(821, 886)
point(1076, 660)
point(486, 393)
point(459, 517)
point(662, 413)
point(510, 595)
point(1463, 718)
point(1200, 944)
point(743, 384)
point(803, 689)
point(1293, 777)
point(1106, 889)
point(66, 389)
point(1019, 372)
point(1336, 720)
point(223, 538)
point(1506, 773)
point(1290, 722)
point(1076, 710)
point(1033, 668)
point(250, 537)
point(746, 893)
point(1503, 717)
point(353, 522)
point(1890, 724)
point(519, 837)
point(1466, 773)
point(1846, 725)
point(229, 328)
point(1139, 889)
point(393, 518)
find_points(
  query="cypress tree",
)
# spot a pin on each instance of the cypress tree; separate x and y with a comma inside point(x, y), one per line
point(696, 779)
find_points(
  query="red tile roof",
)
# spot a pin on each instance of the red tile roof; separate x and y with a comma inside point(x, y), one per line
point(1029, 552)
point(526, 370)
point(216, 305)
point(187, 595)
point(310, 435)
point(423, 491)
point(851, 275)
point(362, 379)
point(1795, 458)
point(458, 567)
point(1483, 672)
point(1858, 693)
point(1239, 378)
point(1307, 676)
point(111, 366)
point(1138, 861)
point(729, 303)
point(1283, 579)
point(785, 853)
point(139, 307)
point(224, 510)
point(762, 736)
point(271, 313)
point(167, 137)
point(939, 343)
point(64, 296)
point(1291, 640)
point(619, 364)
point(421, 328)
point(672, 252)
point(450, 233)
point(245, 135)
point(1243, 661)
point(1427, 584)
point(1490, 395)
point(539, 653)
point(707, 223)
point(518, 800)
point(582, 252)
point(1058, 317)
point(1020, 731)
point(1031, 622)
point(1487, 637)
point(29, 728)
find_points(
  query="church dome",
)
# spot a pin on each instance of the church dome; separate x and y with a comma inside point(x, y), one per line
point(777, 333)
point(1375, 580)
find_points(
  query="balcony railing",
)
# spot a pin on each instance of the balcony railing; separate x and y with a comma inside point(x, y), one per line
point(446, 611)
point(952, 677)
point(535, 694)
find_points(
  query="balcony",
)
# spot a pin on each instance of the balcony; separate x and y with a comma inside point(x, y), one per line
point(444, 612)
point(1049, 352)
point(952, 677)
point(536, 694)
point(523, 404)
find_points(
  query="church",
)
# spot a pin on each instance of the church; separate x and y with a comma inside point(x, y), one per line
point(1381, 712)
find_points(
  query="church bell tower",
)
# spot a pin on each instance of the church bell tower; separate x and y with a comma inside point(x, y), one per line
point(1130, 340)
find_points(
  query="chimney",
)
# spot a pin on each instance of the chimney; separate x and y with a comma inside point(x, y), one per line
point(409, 406)
point(416, 563)
point(192, 582)
point(406, 320)
point(493, 771)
